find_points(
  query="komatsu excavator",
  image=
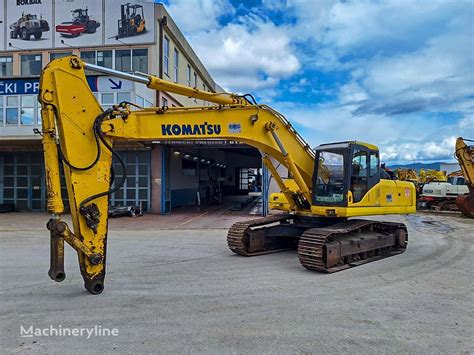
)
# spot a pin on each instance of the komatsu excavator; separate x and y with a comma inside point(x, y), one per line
point(325, 189)
point(465, 155)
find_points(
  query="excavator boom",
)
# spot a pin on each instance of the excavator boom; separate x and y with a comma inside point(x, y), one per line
point(465, 156)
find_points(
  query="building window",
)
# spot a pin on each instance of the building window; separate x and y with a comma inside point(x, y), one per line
point(123, 60)
point(188, 75)
point(107, 100)
point(166, 56)
point(140, 101)
point(176, 65)
point(165, 102)
point(11, 111)
point(148, 103)
point(6, 66)
point(31, 64)
point(140, 60)
point(123, 96)
point(27, 115)
point(195, 81)
point(56, 55)
point(104, 59)
point(88, 57)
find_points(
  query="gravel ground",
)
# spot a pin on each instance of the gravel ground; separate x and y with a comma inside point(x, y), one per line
point(182, 291)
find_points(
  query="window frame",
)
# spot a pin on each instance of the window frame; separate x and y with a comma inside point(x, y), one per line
point(140, 69)
point(176, 65)
point(32, 108)
point(40, 55)
point(63, 54)
point(188, 75)
point(12, 107)
point(6, 62)
point(166, 56)
point(122, 60)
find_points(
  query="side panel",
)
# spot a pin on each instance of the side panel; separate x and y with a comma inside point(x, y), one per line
point(387, 197)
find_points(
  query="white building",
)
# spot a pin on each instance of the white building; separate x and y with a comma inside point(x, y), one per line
point(161, 175)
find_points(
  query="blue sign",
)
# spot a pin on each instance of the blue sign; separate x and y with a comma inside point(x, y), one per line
point(31, 86)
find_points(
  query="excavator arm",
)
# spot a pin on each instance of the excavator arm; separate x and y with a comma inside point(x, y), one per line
point(78, 134)
point(465, 156)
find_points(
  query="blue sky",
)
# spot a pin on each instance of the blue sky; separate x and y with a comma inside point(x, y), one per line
point(396, 73)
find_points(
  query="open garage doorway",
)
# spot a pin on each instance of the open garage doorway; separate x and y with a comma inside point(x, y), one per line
point(225, 178)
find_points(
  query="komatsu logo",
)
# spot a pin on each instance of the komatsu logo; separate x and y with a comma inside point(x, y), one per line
point(190, 130)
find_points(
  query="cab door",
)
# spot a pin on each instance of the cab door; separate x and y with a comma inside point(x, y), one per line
point(365, 172)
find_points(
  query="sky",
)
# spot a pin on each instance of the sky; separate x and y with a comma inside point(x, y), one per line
point(395, 73)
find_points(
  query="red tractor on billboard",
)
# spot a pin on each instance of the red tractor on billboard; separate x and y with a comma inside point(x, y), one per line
point(81, 23)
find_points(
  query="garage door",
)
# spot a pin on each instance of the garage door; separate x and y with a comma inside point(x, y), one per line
point(23, 180)
point(137, 186)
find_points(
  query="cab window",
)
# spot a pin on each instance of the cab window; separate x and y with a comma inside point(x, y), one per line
point(460, 181)
point(374, 164)
point(330, 177)
point(359, 174)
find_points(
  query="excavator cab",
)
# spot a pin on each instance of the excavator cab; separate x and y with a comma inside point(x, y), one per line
point(344, 173)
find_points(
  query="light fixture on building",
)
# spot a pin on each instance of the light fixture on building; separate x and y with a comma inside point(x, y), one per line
point(177, 153)
point(186, 156)
point(67, 44)
point(195, 158)
point(209, 162)
point(12, 46)
point(203, 160)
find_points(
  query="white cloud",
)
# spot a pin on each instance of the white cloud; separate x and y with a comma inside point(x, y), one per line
point(247, 56)
point(198, 15)
point(408, 138)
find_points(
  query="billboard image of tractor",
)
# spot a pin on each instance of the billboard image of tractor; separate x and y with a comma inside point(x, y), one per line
point(28, 25)
point(81, 23)
point(132, 21)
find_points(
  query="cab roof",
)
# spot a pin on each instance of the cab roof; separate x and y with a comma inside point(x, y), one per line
point(346, 144)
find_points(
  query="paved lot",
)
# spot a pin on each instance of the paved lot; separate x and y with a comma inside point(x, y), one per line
point(180, 290)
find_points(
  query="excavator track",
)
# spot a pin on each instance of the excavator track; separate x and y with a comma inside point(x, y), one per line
point(350, 243)
point(240, 240)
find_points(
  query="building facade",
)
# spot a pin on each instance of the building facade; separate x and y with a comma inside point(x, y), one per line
point(139, 37)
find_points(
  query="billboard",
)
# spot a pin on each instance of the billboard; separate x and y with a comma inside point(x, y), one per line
point(29, 24)
point(78, 23)
point(129, 22)
point(45, 24)
point(31, 85)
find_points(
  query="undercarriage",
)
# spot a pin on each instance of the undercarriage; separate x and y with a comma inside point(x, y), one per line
point(323, 244)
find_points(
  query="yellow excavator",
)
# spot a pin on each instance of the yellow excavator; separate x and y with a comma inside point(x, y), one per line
point(432, 175)
point(326, 187)
point(464, 153)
